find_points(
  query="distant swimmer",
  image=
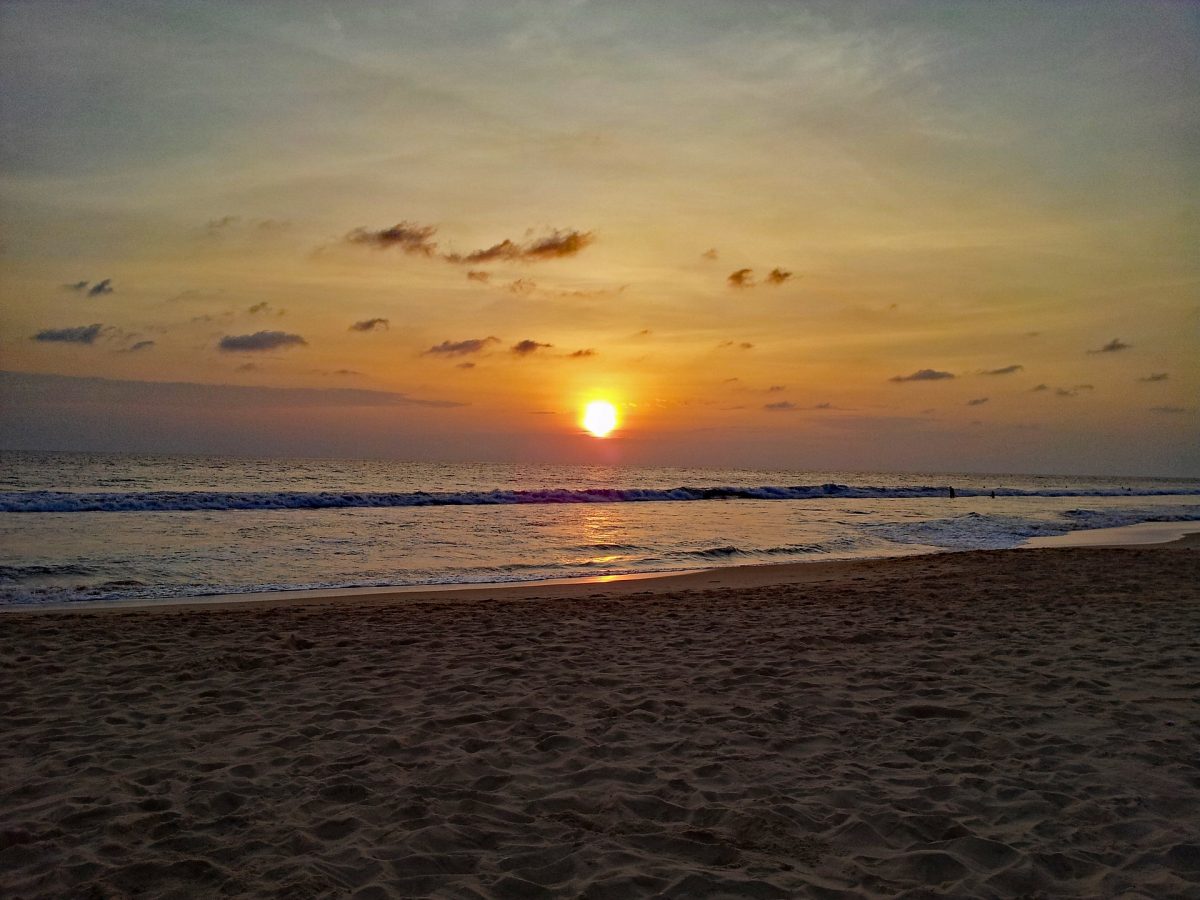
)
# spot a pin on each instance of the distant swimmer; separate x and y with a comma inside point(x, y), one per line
point(993, 495)
point(952, 494)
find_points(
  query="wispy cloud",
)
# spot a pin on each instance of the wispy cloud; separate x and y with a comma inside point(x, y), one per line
point(264, 307)
point(581, 354)
point(260, 341)
point(778, 276)
point(461, 348)
point(188, 395)
point(138, 347)
point(371, 325)
point(554, 246)
point(1004, 370)
point(417, 239)
point(710, 254)
point(742, 278)
point(1038, 388)
point(99, 289)
point(407, 236)
point(237, 224)
point(1170, 410)
point(978, 401)
point(781, 406)
point(1113, 346)
point(923, 375)
point(1157, 376)
point(526, 347)
point(80, 334)
point(1074, 390)
point(477, 275)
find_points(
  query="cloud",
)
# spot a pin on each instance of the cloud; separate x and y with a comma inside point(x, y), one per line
point(418, 240)
point(78, 286)
point(80, 334)
point(1074, 390)
point(1005, 370)
point(139, 346)
point(580, 354)
point(346, 372)
point(525, 347)
point(236, 224)
point(465, 365)
point(743, 345)
point(922, 375)
point(248, 367)
point(215, 226)
point(741, 278)
point(522, 286)
point(100, 288)
point(778, 276)
point(1170, 410)
point(1157, 376)
point(1112, 346)
point(461, 348)
point(176, 395)
point(824, 406)
point(371, 325)
point(978, 401)
point(407, 236)
point(709, 254)
point(477, 275)
point(556, 245)
point(1039, 387)
point(262, 307)
point(260, 341)
point(781, 406)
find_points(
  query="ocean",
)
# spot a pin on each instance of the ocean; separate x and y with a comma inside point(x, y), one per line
point(78, 527)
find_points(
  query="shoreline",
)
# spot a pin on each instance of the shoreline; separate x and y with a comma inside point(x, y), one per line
point(1147, 535)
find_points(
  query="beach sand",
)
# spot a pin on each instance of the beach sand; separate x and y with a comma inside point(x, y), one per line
point(988, 724)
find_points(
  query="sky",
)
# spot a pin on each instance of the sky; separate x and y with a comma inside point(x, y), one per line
point(952, 236)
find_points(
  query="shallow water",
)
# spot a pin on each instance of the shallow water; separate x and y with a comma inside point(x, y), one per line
point(568, 521)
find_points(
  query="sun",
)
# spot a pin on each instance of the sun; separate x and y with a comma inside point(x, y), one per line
point(599, 417)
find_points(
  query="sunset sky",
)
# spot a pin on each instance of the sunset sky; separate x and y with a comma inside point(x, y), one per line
point(935, 236)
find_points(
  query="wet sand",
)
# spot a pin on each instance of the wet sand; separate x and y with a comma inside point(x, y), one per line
point(991, 724)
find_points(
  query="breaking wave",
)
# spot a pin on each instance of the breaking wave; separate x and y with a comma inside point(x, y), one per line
point(179, 501)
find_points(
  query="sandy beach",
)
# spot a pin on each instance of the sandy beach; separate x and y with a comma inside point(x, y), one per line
point(987, 724)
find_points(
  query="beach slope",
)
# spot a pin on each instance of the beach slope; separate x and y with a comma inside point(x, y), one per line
point(989, 724)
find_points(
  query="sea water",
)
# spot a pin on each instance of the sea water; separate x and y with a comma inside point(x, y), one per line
point(79, 527)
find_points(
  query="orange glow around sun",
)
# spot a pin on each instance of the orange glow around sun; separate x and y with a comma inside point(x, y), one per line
point(599, 418)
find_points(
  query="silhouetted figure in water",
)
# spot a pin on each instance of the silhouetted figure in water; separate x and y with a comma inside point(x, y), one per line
point(993, 495)
point(952, 494)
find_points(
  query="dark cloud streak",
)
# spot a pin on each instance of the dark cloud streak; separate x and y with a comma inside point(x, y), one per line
point(260, 341)
point(80, 334)
point(371, 325)
point(922, 375)
point(526, 347)
point(461, 348)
